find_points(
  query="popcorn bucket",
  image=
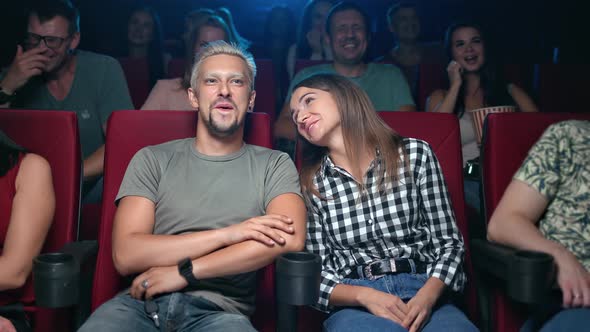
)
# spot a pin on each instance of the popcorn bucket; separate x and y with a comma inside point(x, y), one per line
point(478, 115)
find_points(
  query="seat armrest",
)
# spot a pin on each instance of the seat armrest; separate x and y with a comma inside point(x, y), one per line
point(297, 284)
point(527, 275)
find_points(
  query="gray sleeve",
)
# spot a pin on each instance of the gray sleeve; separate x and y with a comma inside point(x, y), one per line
point(142, 176)
point(114, 94)
point(281, 177)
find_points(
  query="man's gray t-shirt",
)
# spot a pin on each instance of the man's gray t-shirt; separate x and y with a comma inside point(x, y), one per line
point(99, 88)
point(194, 192)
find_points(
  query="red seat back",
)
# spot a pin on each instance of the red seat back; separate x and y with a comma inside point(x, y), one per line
point(137, 75)
point(128, 132)
point(506, 141)
point(53, 135)
point(265, 88)
point(443, 135)
point(176, 67)
point(430, 77)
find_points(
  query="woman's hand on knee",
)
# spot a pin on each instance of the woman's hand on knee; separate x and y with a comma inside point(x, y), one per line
point(384, 305)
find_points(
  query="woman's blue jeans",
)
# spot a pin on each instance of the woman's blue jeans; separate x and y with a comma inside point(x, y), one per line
point(445, 317)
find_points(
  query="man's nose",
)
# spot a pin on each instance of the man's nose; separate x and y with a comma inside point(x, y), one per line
point(43, 45)
point(224, 89)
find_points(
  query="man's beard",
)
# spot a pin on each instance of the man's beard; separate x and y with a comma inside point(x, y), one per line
point(220, 131)
point(52, 73)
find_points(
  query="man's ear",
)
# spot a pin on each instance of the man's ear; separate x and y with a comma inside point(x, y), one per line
point(192, 97)
point(251, 101)
point(75, 41)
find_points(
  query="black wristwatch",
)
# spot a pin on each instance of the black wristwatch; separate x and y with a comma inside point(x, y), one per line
point(5, 97)
point(185, 268)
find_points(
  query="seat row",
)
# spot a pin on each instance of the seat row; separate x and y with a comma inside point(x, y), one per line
point(556, 87)
point(54, 135)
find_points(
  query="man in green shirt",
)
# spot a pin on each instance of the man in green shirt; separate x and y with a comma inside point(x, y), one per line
point(49, 73)
point(347, 28)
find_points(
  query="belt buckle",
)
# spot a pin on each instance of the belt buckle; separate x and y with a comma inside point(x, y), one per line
point(370, 273)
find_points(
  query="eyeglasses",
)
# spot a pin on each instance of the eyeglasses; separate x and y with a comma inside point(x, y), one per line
point(33, 40)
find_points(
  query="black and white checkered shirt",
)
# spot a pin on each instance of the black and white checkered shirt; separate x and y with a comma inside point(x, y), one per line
point(413, 220)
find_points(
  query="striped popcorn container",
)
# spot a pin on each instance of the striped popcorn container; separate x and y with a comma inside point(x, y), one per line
point(478, 115)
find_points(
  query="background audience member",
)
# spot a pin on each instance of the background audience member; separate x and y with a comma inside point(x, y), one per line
point(225, 14)
point(474, 82)
point(191, 20)
point(408, 52)
point(347, 28)
point(25, 182)
point(311, 43)
point(550, 190)
point(279, 34)
point(358, 184)
point(171, 94)
point(48, 72)
point(145, 41)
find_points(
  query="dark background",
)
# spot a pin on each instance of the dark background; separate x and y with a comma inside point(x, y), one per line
point(519, 31)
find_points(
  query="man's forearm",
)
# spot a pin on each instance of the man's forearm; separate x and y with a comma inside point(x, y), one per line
point(251, 255)
point(94, 164)
point(163, 250)
point(239, 258)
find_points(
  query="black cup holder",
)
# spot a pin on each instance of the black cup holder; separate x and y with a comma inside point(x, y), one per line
point(56, 280)
point(530, 271)
point(298, 278)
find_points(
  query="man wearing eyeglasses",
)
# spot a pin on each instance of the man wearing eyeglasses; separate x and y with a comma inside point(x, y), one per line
point(49, 73)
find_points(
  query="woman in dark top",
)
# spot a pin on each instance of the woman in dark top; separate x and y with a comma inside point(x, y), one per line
point(145, 40)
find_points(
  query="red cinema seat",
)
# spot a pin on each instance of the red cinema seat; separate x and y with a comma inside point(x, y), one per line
point(129, 131)
point(176, 67)
point(138, 79)
point(53, 135)
point(430, 77)
point(506, 141)
point(265, 88)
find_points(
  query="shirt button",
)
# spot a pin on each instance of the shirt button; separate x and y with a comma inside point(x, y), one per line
point(370, 221)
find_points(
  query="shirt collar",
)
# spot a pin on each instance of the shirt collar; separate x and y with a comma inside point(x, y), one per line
point(328, 168)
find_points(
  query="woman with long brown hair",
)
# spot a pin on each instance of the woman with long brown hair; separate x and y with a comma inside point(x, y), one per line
point(379, 215)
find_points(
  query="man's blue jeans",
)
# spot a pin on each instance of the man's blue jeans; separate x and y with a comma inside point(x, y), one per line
point(177, 312)
point(445, 317)
point(565, 320)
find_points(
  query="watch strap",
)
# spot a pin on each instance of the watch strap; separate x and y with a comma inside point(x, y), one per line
point(185, 269)
point(5, 97)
